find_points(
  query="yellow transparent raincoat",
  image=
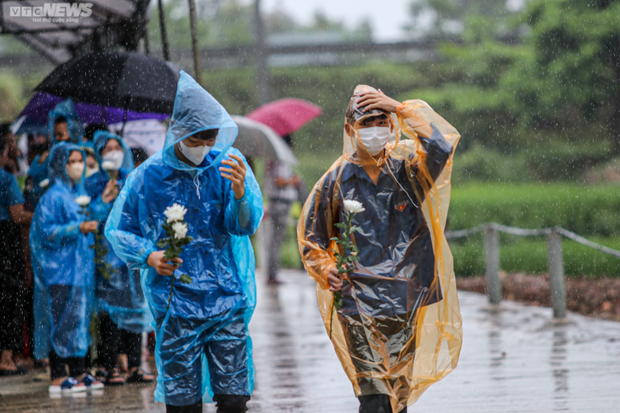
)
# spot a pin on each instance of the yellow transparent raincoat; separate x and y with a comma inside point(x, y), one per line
point(399, 328)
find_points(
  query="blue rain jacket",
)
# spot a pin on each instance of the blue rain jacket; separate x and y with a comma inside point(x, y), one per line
point(63, 264)
point(220, 259)
point(39, 172)
point(121, 295)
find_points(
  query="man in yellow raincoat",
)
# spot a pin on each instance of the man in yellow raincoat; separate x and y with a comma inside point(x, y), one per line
point(398, 327)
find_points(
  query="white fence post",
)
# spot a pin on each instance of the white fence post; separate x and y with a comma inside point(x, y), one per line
point(491, 251)
point(556, 274)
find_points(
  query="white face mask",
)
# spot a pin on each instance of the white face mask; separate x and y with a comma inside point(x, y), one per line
point(75, 171)
point(195, 155)
point(375, 138)
point(91, 171)
point(115, 158)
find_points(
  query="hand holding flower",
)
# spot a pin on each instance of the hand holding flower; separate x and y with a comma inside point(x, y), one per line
point(162, 265)
point(88, 226)
point(176, 238)
point(346, 255)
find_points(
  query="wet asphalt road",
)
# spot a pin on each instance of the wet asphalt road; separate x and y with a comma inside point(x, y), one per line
point(514, 359)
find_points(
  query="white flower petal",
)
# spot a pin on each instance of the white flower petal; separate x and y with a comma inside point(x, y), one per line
point(108, 165)
point(180, 230)
point(175, 213)
point(82, 200)
point(352, 206)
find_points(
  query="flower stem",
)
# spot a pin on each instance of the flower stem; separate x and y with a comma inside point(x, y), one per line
point(171, 289)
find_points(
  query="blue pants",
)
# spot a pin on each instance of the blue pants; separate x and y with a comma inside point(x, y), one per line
point(184, 343)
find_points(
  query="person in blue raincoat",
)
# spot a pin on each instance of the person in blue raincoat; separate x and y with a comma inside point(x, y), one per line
point(121, 307)
point(203, 350)
point(64, 125)
point(64, 271)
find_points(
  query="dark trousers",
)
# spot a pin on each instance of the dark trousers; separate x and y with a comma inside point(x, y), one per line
point(226, 403)
point(11, 284)
point(28, 299)
point(114, 341)
point(278, 215)
point(58, 365)
point(377, 403)
point(11, 318)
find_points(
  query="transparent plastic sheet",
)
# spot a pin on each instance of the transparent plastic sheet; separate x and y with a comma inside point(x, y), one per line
point(207, 319)
point(121, 295)
point(63, 264)
point(399, 329)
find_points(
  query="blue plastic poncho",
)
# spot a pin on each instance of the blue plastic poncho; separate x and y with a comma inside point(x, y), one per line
point(62, 263)
point(75, 127)
point(38, 171)
point(203, 347)
point(117, 288)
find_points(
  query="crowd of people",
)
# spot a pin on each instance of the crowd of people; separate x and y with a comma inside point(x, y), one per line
point(167, 247)
point(58, 271)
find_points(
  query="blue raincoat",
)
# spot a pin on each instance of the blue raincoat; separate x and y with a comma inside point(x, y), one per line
point(203, 347)
point(62, 263)
point(38, 171)
point(121, 295)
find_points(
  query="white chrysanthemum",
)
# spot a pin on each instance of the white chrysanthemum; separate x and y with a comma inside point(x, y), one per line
point(353, 207)
point(180, 230)
point(175, 213)
point(82, 200)
point(108, 165)
point(44, 183)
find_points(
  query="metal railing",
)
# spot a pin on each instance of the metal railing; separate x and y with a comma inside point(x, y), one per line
point(554, 255)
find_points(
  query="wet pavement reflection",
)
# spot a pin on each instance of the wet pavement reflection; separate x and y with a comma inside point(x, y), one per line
point(514, 359)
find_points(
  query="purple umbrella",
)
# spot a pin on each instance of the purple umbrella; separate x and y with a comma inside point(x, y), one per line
point(39, 107)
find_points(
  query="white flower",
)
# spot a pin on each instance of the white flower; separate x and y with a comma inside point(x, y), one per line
point(180, 230)
point(108, 165)
point(175, 213)
point(82, 200)
point(44, 183)
point(353, 207)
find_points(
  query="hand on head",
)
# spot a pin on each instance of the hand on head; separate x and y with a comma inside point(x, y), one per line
point(377, 100)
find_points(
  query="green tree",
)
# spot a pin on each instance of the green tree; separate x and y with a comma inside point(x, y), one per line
point(440, 18)
point(573, 78)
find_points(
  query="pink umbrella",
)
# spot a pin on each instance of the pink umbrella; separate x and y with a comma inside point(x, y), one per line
point(285, 116)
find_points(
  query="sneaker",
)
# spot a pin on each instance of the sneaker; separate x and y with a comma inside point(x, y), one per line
point(91, 383)
point(70, 385)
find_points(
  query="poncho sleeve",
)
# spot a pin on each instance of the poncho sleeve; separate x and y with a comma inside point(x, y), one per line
point(126, 224)
point(54, 230)
point(243, 216)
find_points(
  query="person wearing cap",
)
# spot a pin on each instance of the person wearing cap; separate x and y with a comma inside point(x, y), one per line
point(397, 329)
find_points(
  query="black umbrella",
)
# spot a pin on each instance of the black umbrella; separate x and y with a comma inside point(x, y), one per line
point(131, 81)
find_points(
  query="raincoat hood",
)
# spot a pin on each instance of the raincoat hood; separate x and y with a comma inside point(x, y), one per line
point(101, 138)
point(74, 123)
point(57, 171)
point(353, 115)
point(196, 110)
